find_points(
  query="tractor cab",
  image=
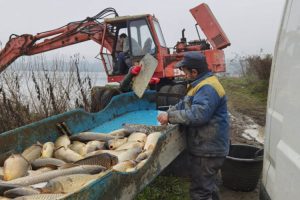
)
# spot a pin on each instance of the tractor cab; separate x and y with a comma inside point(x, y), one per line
point(134, 37)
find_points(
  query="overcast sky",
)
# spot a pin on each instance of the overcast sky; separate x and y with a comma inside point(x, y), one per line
point(250, 25)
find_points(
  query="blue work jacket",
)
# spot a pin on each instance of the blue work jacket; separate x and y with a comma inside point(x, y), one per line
point(203, 113)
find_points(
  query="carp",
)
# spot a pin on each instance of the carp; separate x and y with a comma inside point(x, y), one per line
point(92, 146)
point(33, 152)
point(130, 145)
point(40, 197)
point(67, 155)
point(105, 159)
point(77, 147)
point(115, 143)
point(46, 176)
point(47, 150)
point(90, 136)
point(62, 141)
point(130, 154)
point(67, 184)
point(47, 162)
point(14, 167)
point(137, 137)
point(112, 152)
point(120, 132)
point(21, 191)
point(144, 155)
point(152, 140)
point(123, 166)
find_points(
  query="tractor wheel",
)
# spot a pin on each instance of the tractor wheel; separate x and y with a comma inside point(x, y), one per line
point(163, 100)
point(178, 89)
point(96, 94)
point(106, 97)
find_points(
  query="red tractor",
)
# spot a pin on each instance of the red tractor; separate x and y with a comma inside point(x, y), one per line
point(142, 35)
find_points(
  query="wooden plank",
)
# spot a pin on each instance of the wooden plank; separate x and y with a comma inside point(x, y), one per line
point(140, 83)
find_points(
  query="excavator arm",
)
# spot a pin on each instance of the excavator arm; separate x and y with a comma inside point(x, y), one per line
point(75, 32)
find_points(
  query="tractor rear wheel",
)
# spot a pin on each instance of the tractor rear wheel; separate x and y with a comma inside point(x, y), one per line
point(101, 96)
point(106, 97)
point(96, 94)
point(178, 89)
point(162, 99)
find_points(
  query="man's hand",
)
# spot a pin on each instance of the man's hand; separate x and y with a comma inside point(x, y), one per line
point(163, 118)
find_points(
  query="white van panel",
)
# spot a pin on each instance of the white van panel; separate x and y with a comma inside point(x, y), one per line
point(281, 172)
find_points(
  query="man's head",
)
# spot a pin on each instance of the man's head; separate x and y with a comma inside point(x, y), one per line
point(123, 35)
point(193, 64)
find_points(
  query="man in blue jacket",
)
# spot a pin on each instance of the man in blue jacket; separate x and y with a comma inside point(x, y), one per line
point(203, 114)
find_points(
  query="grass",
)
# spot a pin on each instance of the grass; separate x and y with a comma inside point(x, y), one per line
point(247, 97)
point(166, 188)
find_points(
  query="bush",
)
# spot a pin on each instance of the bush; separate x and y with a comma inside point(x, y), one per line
point(259, 67)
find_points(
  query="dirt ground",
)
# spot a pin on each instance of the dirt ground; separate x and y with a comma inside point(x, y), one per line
point(227, 194)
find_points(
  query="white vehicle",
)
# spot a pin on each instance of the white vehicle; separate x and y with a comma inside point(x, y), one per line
point(281, 171)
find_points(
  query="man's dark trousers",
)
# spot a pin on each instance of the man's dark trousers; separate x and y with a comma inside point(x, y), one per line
point(203, 177)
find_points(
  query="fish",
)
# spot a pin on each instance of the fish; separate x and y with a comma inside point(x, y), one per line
point(152, 140)
point(137, 167)
point(47, 162)
point(123, 166)
point(68, 184)
point(90, 136)
point(130, 169)
point(144, 155)
point(46, 176)
point(130, 154)
point(39, 171)
point(105, 159)
point(141, 164)
point(62, 141)
point(4, 198)
point(47, 150)
point(130, 145)
point(113, 152)
point(14, 167)
point(144, 128)
point(137, 137)
point(92, 146)
point(5, 155)
point(4, 186)
point(39, 185)
point(1, 173)
point(115, 143)
point(77, 146)
point(67, 155)
point(21, 191)
point(41, 197)
point(33, 152)
point(120, 132)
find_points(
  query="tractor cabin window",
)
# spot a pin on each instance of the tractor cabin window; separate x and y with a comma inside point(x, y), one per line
point(141, 40)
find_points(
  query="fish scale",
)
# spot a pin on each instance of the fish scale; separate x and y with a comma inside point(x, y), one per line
point(105, 159)
point(41, 197)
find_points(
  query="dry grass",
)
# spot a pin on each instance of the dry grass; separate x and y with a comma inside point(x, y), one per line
point(51, 88)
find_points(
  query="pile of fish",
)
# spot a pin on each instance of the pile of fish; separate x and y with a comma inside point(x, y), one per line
point(53, 169)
